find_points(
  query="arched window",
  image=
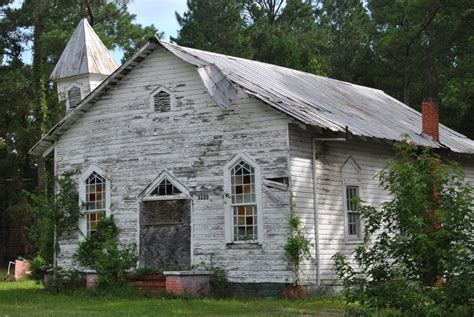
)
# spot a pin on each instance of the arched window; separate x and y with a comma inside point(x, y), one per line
point(94, 193)
point(243, 186)
point(351, 193)
point(74, 97)
point(95, 201)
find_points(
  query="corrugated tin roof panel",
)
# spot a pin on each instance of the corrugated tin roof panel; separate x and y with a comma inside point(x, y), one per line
point(84, 54)
point(310, 99)
point(325, 102)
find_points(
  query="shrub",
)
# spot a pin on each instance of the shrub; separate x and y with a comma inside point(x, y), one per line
point(102, 252)
point(219, 282)
point(55, 214)
point(416, 257)
point(38, 266)
point(61, 280)
point(297, 246)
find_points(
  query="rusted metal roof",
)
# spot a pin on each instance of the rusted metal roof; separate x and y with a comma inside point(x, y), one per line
point(312, 100)
point(324, 102)
point(84, 54)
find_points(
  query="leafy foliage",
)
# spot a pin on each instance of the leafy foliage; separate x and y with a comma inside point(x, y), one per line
point(417, 254)
point(102, 252)
point(409, 49)
point(28, 101)
point(56, 215)
point(297, 245)
point(61, 280)
point(219, 282)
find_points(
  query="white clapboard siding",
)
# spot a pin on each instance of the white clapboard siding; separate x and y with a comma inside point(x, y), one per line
point(123, 135)
point(301, 184)
point(330, 158)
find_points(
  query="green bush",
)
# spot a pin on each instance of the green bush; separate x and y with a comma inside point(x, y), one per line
point(416, 257)
point(219, 283)
point(38, 266)
point(55, 215)
point(61, 280)
point(297, 245)
point(102, 252)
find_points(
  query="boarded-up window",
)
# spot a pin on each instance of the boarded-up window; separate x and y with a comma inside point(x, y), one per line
point(74, 97)
point(162, 101)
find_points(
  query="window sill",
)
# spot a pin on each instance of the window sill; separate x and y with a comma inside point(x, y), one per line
point(244, 245)
point(354, 240)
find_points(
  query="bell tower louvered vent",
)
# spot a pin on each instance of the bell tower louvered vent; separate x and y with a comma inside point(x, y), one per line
point(162, 101)
point(74, 97)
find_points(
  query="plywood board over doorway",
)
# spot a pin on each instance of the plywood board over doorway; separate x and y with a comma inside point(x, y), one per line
point(165, 234)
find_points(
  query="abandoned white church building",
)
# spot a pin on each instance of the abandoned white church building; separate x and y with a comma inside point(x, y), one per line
point(202, 157)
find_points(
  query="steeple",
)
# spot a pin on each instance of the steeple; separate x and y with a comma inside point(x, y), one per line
point(83, 65)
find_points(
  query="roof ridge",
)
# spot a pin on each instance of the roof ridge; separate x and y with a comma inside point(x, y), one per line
point(269, 64)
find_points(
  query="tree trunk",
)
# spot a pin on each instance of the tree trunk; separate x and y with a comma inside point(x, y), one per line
point(407, 78)
point(40, 97)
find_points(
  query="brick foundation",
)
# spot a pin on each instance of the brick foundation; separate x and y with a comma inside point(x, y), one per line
point(187, 283)
point(91, 280)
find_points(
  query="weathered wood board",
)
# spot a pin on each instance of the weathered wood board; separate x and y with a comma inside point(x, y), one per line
point(165, 234)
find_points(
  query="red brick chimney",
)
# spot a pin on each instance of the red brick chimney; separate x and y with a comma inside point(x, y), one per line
point(430, 118)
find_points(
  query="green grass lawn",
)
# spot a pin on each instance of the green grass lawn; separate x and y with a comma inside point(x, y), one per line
point(28, 299)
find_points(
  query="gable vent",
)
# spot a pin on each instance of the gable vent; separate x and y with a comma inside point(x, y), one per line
point(162, 101)
point(74, 97)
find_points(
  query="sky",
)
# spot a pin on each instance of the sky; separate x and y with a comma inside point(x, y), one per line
point(161, 13)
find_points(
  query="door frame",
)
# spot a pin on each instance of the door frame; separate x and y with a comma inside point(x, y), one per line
point(145, 195)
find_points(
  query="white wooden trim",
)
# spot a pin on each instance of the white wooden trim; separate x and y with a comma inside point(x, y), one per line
point(151, 101)
point(82, 196)
point(49, 149)
point(228, 219)
point(349, 181)
point(145, 194)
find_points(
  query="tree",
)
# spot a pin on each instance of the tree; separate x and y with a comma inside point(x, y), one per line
point(56, 216)
point(287, 35)
point(417, 254)
point(28, 101)
point(273, 31)
point(215, 26)
point(350, 34)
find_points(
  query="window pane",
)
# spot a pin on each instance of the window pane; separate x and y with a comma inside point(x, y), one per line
point(93, 219)
point(95, 192)
point(245, 223)
point(353, 218)
point(243, 201)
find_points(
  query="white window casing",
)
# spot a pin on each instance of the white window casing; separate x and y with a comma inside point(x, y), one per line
point(161, 100)
point(95, 207)
point(351, 187)
point(174, 189)
point(243, 201)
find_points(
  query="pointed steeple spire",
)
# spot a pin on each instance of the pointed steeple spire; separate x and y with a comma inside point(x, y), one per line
point(84, 54)
point(83, 65)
